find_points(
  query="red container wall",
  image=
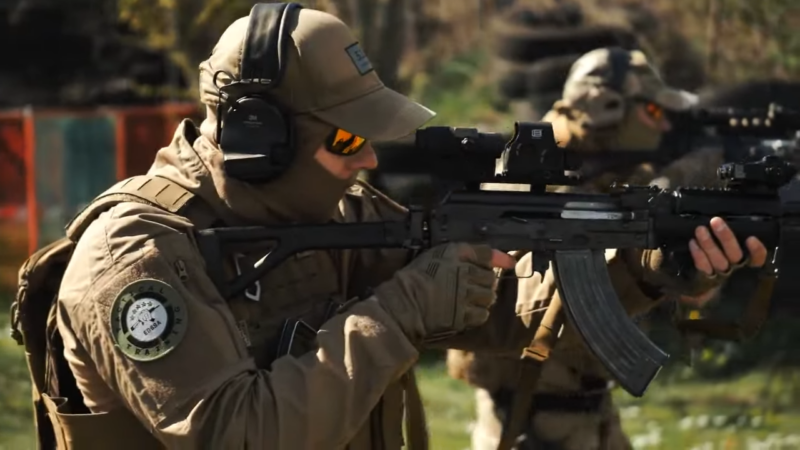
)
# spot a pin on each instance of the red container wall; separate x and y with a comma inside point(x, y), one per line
point(143, 131)
point(12, 164)
point(13, 214)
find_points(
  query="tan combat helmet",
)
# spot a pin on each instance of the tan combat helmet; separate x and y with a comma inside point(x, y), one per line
point(602, 82)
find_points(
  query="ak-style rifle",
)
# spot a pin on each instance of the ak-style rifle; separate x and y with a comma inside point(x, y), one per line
point(570, 229)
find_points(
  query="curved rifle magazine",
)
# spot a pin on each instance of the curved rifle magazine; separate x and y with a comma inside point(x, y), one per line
point(592, 304)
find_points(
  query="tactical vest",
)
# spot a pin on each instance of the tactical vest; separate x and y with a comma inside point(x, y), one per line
point(33, 324)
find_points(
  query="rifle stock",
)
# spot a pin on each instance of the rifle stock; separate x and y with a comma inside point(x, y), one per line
point(573, 230)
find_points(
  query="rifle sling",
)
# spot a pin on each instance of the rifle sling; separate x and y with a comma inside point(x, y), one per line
point(755, 315)
point(530, 368)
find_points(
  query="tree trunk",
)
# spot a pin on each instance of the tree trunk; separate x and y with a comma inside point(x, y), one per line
point(343, 9)
point(367, 13)
point(392, 43)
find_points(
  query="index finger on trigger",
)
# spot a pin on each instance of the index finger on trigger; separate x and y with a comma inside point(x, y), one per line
point(485, 256)
point(503, 260)
point(479, 254)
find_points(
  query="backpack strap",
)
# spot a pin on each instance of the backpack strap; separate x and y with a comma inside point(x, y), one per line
point(150, 190)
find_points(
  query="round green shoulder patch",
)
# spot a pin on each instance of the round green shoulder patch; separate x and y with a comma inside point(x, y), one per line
point(148, 319)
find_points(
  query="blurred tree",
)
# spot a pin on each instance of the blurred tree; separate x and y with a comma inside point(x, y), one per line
point(188, 29)
point(742, 39)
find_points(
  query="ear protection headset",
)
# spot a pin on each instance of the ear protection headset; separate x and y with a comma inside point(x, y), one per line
point(256, 134)
point(620, 62)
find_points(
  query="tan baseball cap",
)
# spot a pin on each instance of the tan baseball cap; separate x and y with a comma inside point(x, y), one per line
point(628, 73)
point(327, 75)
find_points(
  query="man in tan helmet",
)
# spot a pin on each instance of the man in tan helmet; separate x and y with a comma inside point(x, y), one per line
point(612, 100)
point(316, 354)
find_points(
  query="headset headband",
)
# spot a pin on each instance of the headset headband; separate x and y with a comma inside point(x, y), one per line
point(265, 47)
point(620, 61)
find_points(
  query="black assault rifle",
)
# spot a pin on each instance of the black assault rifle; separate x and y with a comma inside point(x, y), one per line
point(742, 134)
point(571, 230)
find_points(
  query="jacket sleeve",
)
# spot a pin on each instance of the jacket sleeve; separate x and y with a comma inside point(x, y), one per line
point(207, 392)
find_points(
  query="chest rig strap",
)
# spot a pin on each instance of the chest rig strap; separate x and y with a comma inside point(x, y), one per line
point(531, 360)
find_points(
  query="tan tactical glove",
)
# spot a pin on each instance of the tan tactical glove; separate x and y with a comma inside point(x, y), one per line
point(444, 291)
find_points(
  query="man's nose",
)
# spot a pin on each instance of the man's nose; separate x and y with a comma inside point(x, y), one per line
point(366, 159)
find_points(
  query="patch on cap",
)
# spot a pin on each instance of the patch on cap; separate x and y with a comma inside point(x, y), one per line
point(359, 58)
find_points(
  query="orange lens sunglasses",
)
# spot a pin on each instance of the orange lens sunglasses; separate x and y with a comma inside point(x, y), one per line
point(654, 111)
point(344, 143)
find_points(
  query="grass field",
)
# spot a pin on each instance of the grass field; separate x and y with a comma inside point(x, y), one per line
point(692, 416)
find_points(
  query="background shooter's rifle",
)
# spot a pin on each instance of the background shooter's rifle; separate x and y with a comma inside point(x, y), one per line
point(739, 134)
point(571, 230)
point(742, 134)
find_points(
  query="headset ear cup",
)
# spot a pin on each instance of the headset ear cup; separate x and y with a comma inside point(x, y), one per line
point(257, 140)
point(257, 135)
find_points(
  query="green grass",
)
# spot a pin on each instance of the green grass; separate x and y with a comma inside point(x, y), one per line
point(687, 415)
point(449, 406)
point(727, 415)
point(16, 416)
point(462, 94)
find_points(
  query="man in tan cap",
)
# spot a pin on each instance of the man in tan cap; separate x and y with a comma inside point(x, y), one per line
point(316, 354)
point(613, 99)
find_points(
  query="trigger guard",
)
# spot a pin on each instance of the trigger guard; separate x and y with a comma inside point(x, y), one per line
point(541, 262)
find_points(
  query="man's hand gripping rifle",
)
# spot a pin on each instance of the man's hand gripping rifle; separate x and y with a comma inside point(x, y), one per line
point(571, 230)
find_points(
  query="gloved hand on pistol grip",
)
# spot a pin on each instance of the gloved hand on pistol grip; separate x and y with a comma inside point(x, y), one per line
point(444, 291)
